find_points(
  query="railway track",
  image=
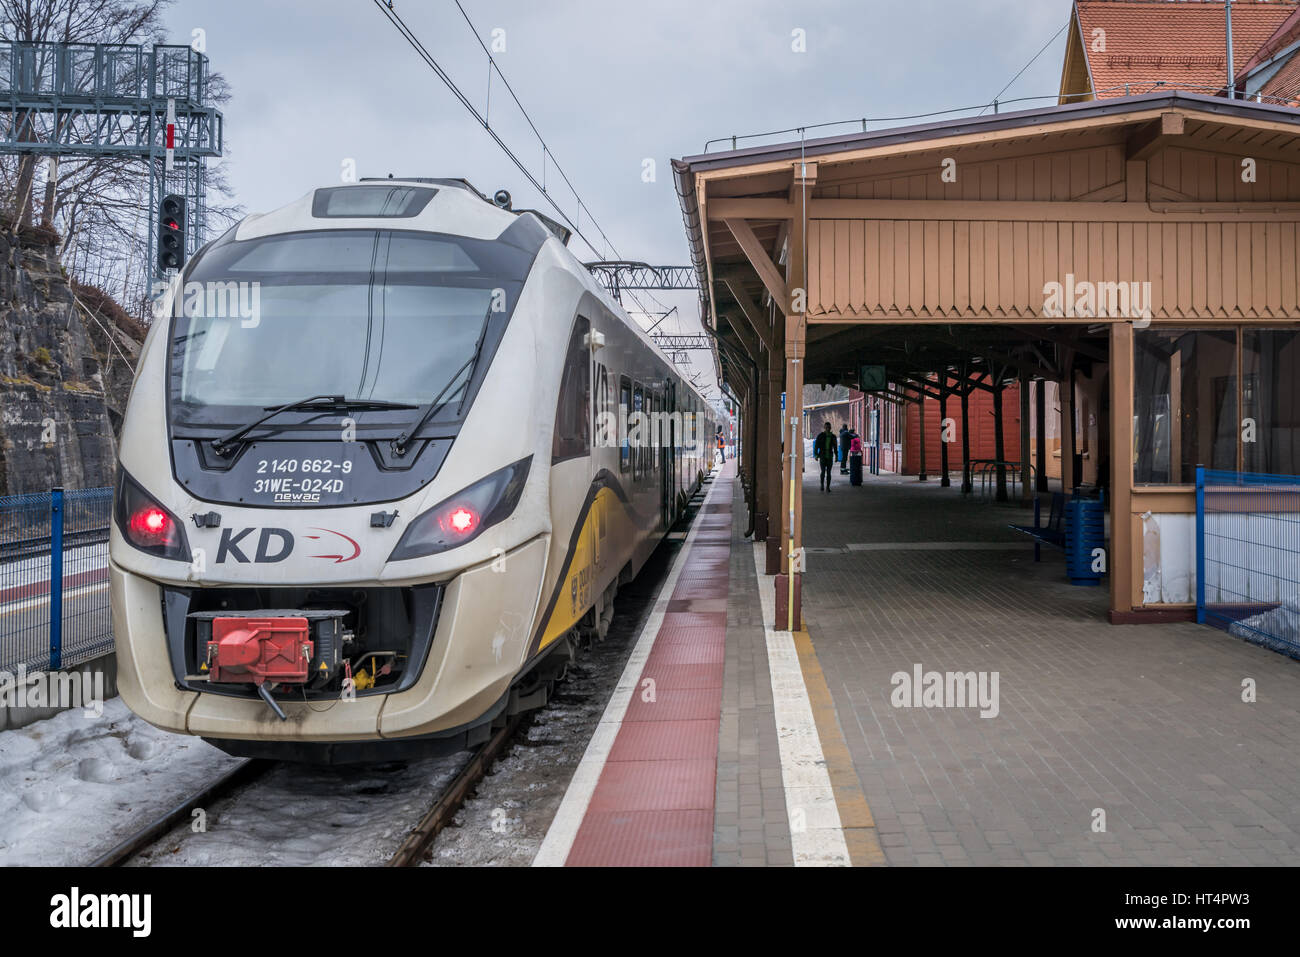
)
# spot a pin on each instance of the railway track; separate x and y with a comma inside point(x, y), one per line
point(249, 770)
point(409, 854)
point(413, 850)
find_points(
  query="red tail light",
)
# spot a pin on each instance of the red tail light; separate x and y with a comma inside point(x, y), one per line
point(462, 517)
point(146, 524)
point(151, 526)
point(460, 520)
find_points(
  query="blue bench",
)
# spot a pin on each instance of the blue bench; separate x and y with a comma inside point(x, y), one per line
point(1053, 533)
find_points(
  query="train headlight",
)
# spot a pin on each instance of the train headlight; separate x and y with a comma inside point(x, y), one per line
point(145, 524)
point(460, 518)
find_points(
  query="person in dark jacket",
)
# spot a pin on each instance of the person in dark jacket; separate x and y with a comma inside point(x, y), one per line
point(824, 452)
point(844, 448)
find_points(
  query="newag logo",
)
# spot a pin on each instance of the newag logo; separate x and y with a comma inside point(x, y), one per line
point(103, 910)
point(272, 545)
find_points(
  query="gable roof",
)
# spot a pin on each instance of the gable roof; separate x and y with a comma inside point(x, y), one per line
point(1285, 84)
point(1180, 44)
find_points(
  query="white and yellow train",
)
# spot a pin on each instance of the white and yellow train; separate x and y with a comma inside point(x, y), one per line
point(388, 454)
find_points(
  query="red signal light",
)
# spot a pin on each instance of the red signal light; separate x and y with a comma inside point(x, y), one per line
point(151, 526)
point(172, 224)
point(460, 520)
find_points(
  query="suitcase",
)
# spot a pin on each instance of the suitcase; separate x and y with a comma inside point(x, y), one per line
point(855, 469)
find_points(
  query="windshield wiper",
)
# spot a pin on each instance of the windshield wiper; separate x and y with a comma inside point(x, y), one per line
point(399, 443)
point(332, 403)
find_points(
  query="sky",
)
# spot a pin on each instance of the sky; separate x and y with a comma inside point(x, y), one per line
point(611, 86)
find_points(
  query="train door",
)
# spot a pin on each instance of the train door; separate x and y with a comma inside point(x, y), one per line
point(668, 454)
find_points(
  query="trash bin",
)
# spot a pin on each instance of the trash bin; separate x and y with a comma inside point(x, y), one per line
point(1085, 532)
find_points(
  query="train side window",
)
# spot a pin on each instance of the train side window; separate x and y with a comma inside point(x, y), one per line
point(638, 453)
point(606, 429)
point(573, 414)
point(660, 437)
point(624, 407)
point(649, 432)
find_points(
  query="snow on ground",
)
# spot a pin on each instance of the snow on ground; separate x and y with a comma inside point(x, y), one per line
point(302, 815)
point(75, 785)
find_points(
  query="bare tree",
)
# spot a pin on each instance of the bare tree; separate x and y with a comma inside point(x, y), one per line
point(97, 204)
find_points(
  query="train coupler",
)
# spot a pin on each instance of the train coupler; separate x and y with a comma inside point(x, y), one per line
point(257, 650)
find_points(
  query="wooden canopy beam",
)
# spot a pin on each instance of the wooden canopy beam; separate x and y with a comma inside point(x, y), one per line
point(1029, 211)
point(761, 261)
point(748, 341)
point(1150, 138)
point(752, 311)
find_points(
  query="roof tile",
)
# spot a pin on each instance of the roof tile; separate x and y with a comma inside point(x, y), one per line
point(1180, 42)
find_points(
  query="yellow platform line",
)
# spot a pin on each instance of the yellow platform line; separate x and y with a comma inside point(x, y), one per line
point(860, 835)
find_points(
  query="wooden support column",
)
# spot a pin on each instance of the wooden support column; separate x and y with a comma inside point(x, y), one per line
point(965, 431)
point(750, 460)
point(789, 583)
point(944, 481)
point(1067, 422)
point(1040, 431)
point(772, 461)
point(1026, 492)
point(793, 305)
point(999, 441)
point(762, 448)
point(1123, 557)
point(920, 428)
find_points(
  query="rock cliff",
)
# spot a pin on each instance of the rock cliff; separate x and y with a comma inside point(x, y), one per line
point(67, 356)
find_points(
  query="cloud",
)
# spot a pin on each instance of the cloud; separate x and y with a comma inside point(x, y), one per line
point(608, 83)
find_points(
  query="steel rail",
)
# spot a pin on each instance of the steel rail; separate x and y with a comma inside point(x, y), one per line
point(248, 770)
point(417, 843)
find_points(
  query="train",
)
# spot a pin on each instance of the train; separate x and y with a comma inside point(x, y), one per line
point(389, 454)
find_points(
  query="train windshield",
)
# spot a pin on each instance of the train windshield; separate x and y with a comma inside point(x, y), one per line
point(370, 315)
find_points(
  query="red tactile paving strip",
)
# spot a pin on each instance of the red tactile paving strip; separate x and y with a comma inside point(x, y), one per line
point(653, 804)
point(673, 704)
point(649, 838)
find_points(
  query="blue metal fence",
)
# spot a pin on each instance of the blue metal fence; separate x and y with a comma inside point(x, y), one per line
point(54, 607)
point(1248, 556)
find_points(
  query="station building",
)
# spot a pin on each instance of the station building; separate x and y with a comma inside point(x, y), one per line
point(1135, 254)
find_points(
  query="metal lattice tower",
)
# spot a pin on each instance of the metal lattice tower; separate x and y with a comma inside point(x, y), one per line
point(617, 275)
point(93, 100)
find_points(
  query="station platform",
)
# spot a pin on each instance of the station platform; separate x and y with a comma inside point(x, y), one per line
point(1081, 743)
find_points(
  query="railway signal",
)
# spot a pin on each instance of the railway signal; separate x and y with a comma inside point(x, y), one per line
point(171, 232)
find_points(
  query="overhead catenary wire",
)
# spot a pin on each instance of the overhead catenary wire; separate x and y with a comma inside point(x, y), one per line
point(492, 66)
point(573, 222)
point(433, 64)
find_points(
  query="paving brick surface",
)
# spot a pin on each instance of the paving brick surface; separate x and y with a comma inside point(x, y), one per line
point(751, 826)
point(1144, 723)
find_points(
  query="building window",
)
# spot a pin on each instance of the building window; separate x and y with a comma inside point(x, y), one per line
point(1270, 401)
point(1185, 403)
